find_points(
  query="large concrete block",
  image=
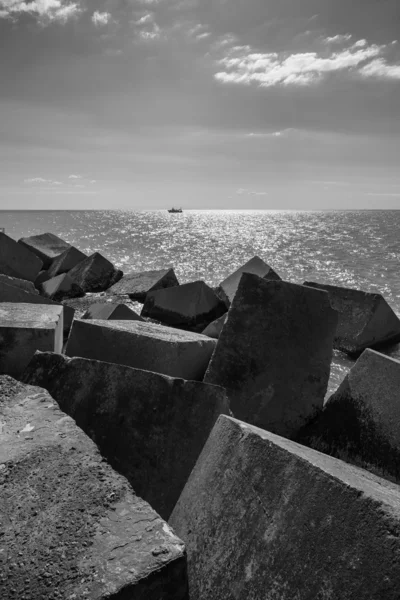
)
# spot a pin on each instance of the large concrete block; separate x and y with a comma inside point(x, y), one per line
point(150, 427)
point(189, 306)
point(365, 320)
point(274, 353)
point(9, 293)
point(25, 328)
point(66, 261)
point(95, 273)
point(361, 420)
point(264, 517)
point(228, 287)
point(137, 285)
point(23, 284)
point(46, 246)
point(18, 261)
point(72, 528)
point(111, 311)
point(142, 345)
point(60, 287)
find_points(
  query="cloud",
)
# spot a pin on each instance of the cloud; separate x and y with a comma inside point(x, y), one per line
point(44, 10)
point(74, 176)
point(269, 134)
point(338, 39)
point(244, 66)
point(247, 192)
point(101, 18)
point(42, 180)
point(147, 18)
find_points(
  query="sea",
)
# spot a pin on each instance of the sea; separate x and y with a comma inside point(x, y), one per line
point(357, 249)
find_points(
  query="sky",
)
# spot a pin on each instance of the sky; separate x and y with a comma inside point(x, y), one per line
point(240, 104)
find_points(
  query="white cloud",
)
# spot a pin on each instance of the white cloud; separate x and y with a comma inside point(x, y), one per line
point(147, 18)
point(75, 176)
point(45, 10)
point(42, 180)
point(101, 18)
point(247, 192)
point(269, 134)
point(244, 66)
point(338, 39)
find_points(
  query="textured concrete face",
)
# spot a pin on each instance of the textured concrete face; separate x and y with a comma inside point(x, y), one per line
point(228, 287)
point(137, 285)
point(18, 261)
point(9, 293)
point(115, 312)
point(25, 328)
point(361, 420)
point(263, 517)
point(66, 261)
point(60, 287)
point(190, 306)
point(142, 345)
point(71, 527)
point(213, 330)
point(23, 284)
point(365, 320)
point(152, 428)
point(95, 273)
point(46, 246)
point(274, 353)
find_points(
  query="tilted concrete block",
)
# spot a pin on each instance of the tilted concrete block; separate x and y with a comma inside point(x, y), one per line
point(46, 246)
point(137, 285)
point(18, 261)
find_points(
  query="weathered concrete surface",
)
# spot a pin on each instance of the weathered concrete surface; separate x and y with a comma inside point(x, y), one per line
point(227, 288)
point(189, 306)
point(23, 284)
point(264, 517)
point(274, 353)
point(365, 320)
point(361, 420)
point(60, 287)
point(109, 310)
point(72, 528)
point(66, 261)
point(46, 246)
point(9, 293)
point(95, 273)
point(18, 261)
point(25, 328)
point(142, 345)
point(150, 427)
point(213, 330)
point(137, 285)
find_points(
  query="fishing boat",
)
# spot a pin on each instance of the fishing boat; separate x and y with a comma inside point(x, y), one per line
point(174, 210)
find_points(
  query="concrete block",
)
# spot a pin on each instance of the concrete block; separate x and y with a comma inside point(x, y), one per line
point(23, 284)
point(142, 345)
point(110, 311)
point(189, 306)
point(9, 293)
point(71, 527)
point(136, 285)
point(264, 517)
point(25, 328)
point(213, 330)
point(41, 278)
point(228, 287)
point(150, 427)
point(60, 287)
point(46, 246)
point(66, 261)
point(274, 353)
point(18, 261)
point(95, 273)
point(365, 320)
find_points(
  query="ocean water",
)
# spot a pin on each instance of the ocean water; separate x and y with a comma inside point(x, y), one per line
point(359, 249)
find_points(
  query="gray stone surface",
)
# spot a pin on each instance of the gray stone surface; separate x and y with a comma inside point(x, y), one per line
point(23, 284)
point(365, 320)
point(142, 345)
point(150, 427)
point(66, 261)
point(189, 306)
point(18, 261)
point(361, 420)
point(109, 310)
point(46, 246)
point(41, 278)
point(9, 293)
point(72, 528)
point(25, 328)
point(227, 288)
point(136, 285)
point(95, 273)
point(274, 353)
point(60, 287)
point(264, 517)
point(213, 330)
